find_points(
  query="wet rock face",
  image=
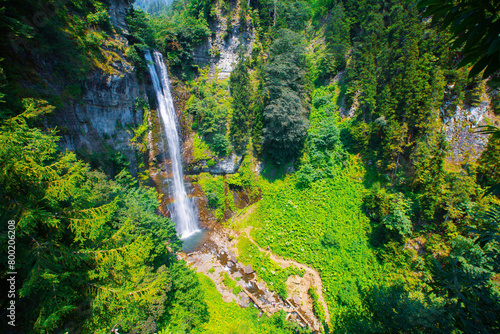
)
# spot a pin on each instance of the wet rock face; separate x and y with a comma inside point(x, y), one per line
point(102, 118)
point(117, 12)
point(227, 165)
point(104, 114)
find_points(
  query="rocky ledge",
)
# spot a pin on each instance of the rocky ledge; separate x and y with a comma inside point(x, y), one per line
point(222, 166)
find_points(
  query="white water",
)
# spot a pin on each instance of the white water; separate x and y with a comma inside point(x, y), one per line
point(183, 213)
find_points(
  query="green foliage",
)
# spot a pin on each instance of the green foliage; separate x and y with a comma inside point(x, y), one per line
point(139, 24)
point(230, 284)
point(473, 25)
point(285, 124)
point(230, 318)
point(210, 105)
point(393, 310)
point(317, 306)
point(266, 269)
point(100, 19)
point(239, 85)
point(201, 151)
point(220, 199)
point(490, 161)
point(464, 279)
point(185, 309)
point(293, 221)
point(90, 251)
point(337, 43)
point(246, 179)
point(72, 39)
point(325, 155)
point(177, 32)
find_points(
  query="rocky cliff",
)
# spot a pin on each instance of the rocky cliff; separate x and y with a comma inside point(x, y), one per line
point(232, 33)
point(103, 119)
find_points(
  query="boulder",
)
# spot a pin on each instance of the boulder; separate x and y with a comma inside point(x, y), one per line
point(244, 301)
point(248, 270)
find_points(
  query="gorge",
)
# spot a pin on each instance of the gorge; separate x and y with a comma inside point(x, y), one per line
point(250, 167)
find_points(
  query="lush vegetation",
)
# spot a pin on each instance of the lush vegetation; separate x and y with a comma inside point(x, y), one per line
point(367, 191)
point(91, 252)
point(404, 234)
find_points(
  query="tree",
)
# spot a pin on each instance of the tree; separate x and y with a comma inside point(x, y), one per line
point(91, 253)
point(464, 279)
point(285, 122)
point(392, 309)
point(239, 85)
point(475, 26)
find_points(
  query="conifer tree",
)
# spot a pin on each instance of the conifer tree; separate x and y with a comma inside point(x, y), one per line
point(285, 114)
point(239, 84)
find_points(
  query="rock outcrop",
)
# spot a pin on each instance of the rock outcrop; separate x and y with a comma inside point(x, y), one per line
point(231, 34)
point(224, 165)
point(103, 118)
point(461, 130)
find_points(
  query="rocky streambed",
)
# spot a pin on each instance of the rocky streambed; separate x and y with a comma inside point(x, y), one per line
point(217, 257)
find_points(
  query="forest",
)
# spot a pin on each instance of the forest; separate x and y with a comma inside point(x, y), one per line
point(351, 147)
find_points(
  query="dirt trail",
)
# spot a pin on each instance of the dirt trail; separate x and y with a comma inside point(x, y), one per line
point(318, 283)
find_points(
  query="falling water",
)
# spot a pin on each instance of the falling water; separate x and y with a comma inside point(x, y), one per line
point(183, 213)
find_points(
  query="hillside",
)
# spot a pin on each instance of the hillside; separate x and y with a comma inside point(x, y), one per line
point(337, 162)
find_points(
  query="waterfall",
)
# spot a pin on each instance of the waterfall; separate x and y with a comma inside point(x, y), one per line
point(183, 211)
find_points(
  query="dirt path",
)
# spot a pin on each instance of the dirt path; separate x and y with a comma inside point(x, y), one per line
point(318, 283)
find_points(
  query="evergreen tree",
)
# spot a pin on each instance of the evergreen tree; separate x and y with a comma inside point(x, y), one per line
point(91, 253)
point(239, 85)
point(285, 122)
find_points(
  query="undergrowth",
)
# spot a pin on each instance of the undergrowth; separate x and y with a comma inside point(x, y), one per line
point(266, 269)
point(230, 318)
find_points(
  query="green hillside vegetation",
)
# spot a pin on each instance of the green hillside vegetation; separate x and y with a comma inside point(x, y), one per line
point(405, 239)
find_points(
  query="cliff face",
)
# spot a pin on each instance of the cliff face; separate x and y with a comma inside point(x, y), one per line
point(232, 32)
point(103, 118)
point(461, 130)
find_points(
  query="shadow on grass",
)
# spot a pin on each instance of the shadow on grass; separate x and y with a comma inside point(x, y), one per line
point(273, 171)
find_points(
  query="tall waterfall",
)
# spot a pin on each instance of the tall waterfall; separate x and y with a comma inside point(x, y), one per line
point(183, 213)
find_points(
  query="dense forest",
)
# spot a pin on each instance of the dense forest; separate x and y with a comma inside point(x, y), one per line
point(369, 159)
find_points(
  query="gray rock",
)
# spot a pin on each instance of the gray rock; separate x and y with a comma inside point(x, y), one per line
point(230, 264)
point(244, 301)
point(296, 300)
point(459, 126)
point(234, 259)
point(248, 270)
point(227, 165)
point(273, 310)
point(270, 298)
point(237, 275)
point(221, 52)
point(117, 13)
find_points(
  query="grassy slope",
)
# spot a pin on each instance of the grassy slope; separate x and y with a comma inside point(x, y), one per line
point(292, 221)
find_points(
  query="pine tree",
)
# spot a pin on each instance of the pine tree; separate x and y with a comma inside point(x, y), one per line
point(92, 253)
